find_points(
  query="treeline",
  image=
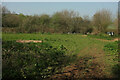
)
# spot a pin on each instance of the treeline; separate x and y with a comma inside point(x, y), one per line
point(60, 22)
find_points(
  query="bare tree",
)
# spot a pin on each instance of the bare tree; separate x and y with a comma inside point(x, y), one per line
point(102, 19)
point(5, 10)
point(65, 20)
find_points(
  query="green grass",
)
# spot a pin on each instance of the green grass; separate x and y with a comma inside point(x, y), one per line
point(103, 36)
point(75, 45)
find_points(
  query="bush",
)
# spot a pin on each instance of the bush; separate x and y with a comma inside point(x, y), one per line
point(31, 60)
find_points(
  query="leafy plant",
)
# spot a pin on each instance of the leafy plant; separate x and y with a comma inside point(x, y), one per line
point(32, 60)
point(112, 49)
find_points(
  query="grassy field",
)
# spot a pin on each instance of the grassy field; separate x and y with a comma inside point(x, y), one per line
point(80, 54)
point(74, 43)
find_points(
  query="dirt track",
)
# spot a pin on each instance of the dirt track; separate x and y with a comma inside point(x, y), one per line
point(116, 39)
point(88, 67)
point(83, 69)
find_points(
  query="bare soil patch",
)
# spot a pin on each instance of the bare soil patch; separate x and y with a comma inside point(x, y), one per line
point(28, 41)
point(84, 35)
point(116, 39)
